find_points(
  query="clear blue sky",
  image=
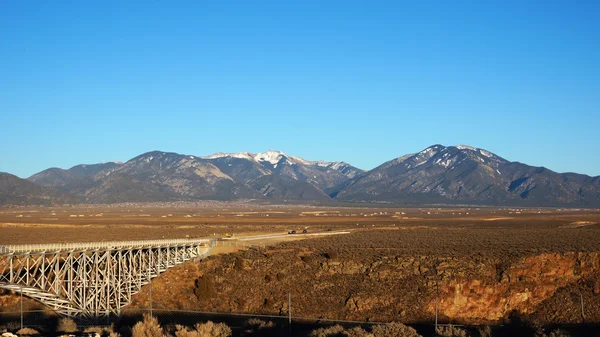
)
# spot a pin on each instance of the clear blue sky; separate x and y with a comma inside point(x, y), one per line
point(363, 82)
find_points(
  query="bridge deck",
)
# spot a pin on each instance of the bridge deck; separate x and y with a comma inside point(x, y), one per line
point(103, 245)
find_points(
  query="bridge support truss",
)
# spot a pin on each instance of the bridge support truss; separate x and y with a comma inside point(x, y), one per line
point(92, 279)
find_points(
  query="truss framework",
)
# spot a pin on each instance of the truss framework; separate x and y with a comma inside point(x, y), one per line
point(92, 279)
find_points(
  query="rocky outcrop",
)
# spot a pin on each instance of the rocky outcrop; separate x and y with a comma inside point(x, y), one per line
point(521, 287)
point(471, 289)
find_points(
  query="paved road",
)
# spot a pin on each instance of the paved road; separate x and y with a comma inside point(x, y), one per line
point(284, 235)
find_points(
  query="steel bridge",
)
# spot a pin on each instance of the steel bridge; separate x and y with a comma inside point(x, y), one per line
point(92, 279)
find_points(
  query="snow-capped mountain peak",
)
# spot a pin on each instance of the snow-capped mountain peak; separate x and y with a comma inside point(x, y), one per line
point(273, 157)
point(242, 155)
point(480, 154)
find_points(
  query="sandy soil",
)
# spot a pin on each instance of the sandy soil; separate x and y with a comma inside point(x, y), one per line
point(151, 221)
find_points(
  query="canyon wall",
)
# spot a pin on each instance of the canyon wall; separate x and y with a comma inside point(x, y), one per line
point(383, 287)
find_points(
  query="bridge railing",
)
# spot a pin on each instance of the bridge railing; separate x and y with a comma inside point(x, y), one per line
point(88, 246)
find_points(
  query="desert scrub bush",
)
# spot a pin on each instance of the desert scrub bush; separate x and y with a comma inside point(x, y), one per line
point(331, 255)
point(239, 263)
point(258, 324)
point(183, 331)
point(27, 332)
point(94, 329)
point(102, 331)
point(557, 333)
point(208, 329)
point(394, 330)
point(10, 326)
point(451, 331)
point(356, 332)
point(66, 325)
point(328, 331)
point(205, 288)
point(148, 327)
point(339, 331)
point(485, 331)
point(308, 259)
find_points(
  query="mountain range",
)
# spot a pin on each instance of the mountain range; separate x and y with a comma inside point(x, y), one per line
point(436, 175)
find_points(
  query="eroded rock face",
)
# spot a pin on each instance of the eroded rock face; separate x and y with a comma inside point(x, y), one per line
point(522, 287)
point(385, 287)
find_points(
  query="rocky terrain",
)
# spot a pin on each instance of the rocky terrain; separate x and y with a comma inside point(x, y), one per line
point(478, 275)
point(436, 175)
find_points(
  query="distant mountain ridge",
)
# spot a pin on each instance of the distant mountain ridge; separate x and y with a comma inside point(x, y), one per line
point(17, 191)
point(56, 177)
point(166, 176)
point(436, 175)
point(465, 174)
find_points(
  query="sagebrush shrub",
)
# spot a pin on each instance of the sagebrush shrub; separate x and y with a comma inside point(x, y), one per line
point(66, 325)
point(327, 332)
point(257, 324)
point(11, 326)
point(102, 331)
point(308, 259)
point(394, 330)
point(339, 331)
point(27, 332)
point(239, 263)
point(558, 333)
point(450, 331)
point(208, 329)
point(356, 332)
point(205, 288)
point(331, 255)
point(148, 327)
point(485, 331)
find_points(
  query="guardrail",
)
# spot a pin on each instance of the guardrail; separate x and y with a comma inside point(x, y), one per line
point(87, 246)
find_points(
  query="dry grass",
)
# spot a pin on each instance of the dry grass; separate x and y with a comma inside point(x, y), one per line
point(66, 325)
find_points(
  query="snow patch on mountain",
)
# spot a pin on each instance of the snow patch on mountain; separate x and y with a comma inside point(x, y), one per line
point(485, 153)
point(444, 162)
point(270, 156)
point(465, 147)
point(300, 160)
point(242, 155)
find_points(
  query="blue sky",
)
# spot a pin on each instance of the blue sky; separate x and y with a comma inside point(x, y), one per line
point(363, 82)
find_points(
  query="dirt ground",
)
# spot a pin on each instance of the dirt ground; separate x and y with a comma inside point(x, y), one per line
point(488, 252)
point(156, 221)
